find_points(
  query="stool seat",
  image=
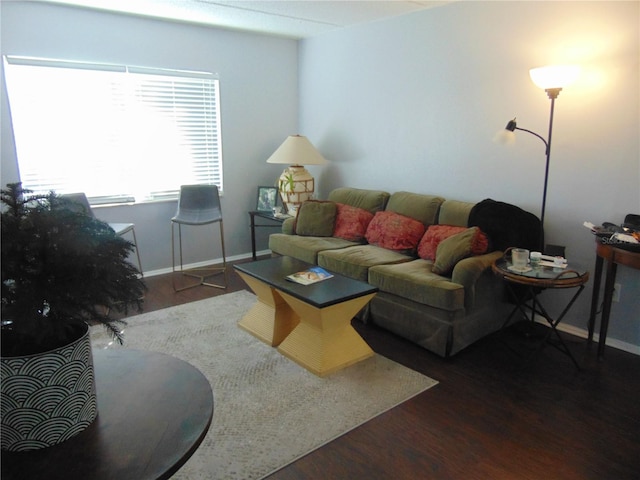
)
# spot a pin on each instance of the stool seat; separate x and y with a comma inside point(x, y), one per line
point(198, 217)
point(122, 228)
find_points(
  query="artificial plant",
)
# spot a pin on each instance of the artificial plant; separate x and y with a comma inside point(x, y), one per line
point(61, 268)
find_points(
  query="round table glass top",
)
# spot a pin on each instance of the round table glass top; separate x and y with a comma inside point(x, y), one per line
point(543, 276)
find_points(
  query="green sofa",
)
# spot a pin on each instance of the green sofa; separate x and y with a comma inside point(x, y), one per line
point(443, 312)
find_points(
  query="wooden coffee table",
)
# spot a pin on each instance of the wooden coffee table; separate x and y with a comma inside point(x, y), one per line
point(310, 324)
point(154, 410)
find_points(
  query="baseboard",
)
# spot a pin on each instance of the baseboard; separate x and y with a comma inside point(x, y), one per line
point(215, 261)
point(584, 333)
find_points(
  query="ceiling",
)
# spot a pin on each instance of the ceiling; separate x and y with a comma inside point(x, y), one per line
point(288, 18)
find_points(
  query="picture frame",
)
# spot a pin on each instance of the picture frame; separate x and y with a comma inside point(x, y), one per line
point(267, 199)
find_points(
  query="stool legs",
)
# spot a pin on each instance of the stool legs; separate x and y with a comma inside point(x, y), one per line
point(135, 243)
point(200, 273)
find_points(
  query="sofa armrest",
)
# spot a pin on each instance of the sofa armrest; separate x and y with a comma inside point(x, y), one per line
point(468, 270)
point(288, 226)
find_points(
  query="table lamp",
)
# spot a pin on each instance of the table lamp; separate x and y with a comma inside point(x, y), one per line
point(296, 185)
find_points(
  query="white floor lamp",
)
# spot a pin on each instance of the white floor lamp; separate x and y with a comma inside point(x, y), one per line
point(552, 79)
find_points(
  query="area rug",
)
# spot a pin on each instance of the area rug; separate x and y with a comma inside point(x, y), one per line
point(268, 411)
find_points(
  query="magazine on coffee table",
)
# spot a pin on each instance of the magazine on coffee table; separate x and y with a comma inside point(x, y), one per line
point(309, 276)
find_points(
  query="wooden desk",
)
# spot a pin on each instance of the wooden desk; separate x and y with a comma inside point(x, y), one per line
point(614, 257)
point(154, 410)
point(267, 216)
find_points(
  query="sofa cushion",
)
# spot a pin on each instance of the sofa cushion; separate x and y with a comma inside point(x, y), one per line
point(289, 226)
point(455, 212)
point(370, 200)
point(394, 231)
point(423, 208)
point(461, 245)
point(316, 219)
point(416, 281)
point(355, 261)
point(305, 248)
point(351, 222)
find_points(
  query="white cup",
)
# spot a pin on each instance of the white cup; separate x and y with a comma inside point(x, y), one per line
point(519, 257)
point(277, 211)
point(534, 258)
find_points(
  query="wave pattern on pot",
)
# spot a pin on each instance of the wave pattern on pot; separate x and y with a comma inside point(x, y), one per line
point(47, 398)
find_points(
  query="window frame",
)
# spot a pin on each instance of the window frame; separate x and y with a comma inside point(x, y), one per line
point(196, 126)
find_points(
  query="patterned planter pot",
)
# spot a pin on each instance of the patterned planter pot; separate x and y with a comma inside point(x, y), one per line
point(49, 397)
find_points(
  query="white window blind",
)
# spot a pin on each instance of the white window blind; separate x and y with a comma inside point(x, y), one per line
point(117, 133)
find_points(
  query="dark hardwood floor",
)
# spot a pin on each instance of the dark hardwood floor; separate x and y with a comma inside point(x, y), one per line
point(488, 418)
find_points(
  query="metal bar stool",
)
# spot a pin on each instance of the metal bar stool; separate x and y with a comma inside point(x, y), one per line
point(198, 205)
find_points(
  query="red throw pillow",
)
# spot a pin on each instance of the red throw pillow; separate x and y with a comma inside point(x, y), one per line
point(437, 233)
point(393, 231)
point(351, 222)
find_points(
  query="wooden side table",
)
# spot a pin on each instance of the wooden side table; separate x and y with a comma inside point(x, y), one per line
point(154, 410)
point(535, 280)
point(614, 257)
point(267, 216)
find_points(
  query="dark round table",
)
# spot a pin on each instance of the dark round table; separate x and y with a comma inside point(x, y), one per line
point(154, 410)
point(535, 281)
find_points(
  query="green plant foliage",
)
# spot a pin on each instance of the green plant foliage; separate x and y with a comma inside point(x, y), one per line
point(287, 184)
point(60, 268)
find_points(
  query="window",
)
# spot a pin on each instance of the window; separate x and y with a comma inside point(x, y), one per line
point(117, 133)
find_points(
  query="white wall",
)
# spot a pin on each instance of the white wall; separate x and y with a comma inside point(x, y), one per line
point(259, 104)
point(412, 103)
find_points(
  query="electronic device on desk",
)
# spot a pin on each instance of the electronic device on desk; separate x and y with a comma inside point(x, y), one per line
point(632, 224)
point(625, 236)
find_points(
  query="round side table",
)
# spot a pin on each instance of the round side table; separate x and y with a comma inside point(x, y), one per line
point(535, 280)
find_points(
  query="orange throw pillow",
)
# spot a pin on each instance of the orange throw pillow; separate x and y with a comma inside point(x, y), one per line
point(393, 231)
point(351, 222)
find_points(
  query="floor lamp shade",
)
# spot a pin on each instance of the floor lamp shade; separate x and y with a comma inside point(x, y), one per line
point(296, 185)
point(554, 76)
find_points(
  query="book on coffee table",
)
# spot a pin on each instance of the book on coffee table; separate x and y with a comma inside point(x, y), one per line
point(309, 276)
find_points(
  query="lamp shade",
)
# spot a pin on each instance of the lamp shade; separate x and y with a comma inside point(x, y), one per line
point(554, 76)
point(505, 137)
point(297, 150)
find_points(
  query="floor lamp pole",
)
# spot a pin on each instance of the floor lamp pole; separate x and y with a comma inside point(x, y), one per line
point(548, 152)
point(552, 93)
